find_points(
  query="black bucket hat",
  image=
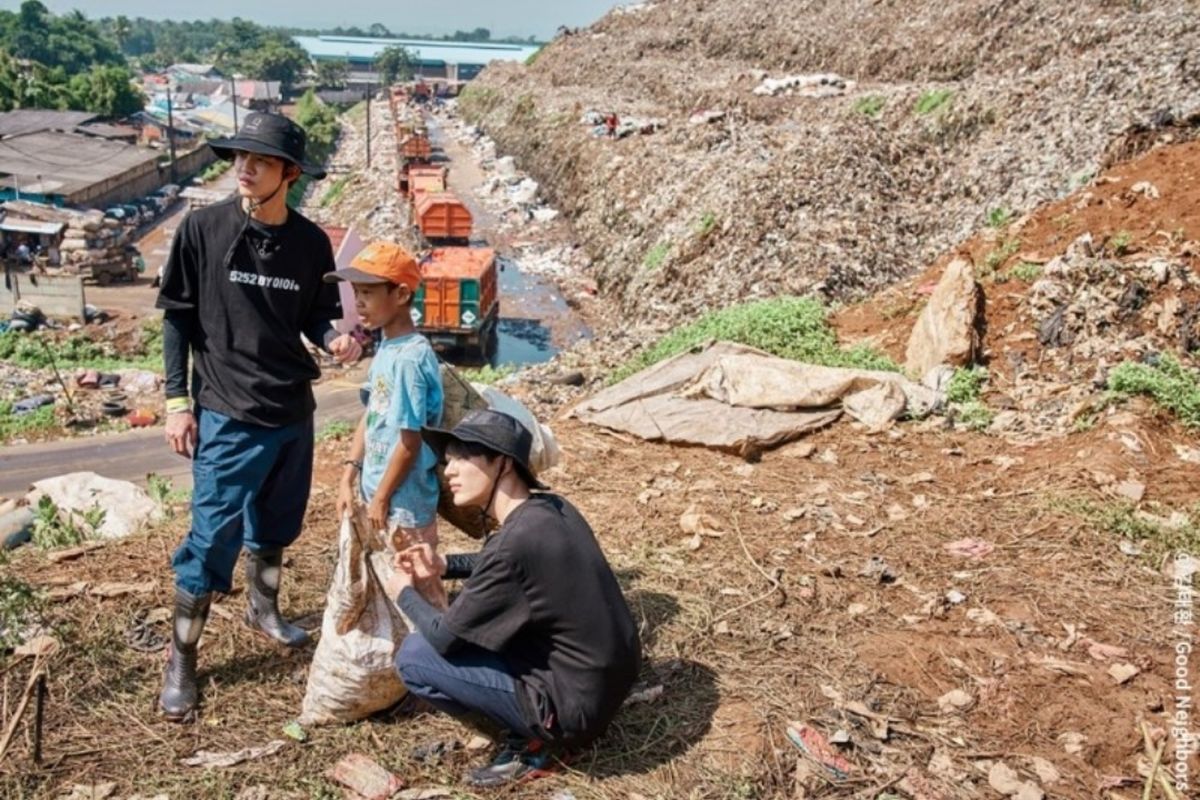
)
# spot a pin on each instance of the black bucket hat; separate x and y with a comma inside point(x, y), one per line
point(495, 431)
point(269, 135)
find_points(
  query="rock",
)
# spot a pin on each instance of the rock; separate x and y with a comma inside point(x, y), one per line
point(1004, 779)
point(127, 508)
point(1047, 773)
point(505, 167)
point(947, 330)
point(545, 214)
point(1131, 490)
point(573, 378)
point(1123, 673)
point(1072, 742)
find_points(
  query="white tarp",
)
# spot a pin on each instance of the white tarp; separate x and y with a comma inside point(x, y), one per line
point(736, 398)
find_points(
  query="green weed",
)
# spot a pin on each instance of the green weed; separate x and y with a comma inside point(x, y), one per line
point(1119, 243)
point(53, 529)
point(996, 258)
point(214, 171)
point(488, 374)
point(19, 603)
point(966, 385)
point(336, 429)
point(38, 351)
point(13, 426)
point(870, 106)
point(656, 255)
point(1160, 529)
point(532, 58)
point(933, 100)
point(1169, 383)
point(999, 217)
point(706, 224)
point(790, 327)
point(975, 416)
point(163, 492)
point(1026, 271)
point(335, 191)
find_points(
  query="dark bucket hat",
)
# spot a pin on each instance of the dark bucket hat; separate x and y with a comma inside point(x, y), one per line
point(269, 135)
point(495, 431)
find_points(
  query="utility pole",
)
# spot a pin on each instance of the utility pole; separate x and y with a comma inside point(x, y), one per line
point(171, 131)
point(368, 124)
point(233, 99)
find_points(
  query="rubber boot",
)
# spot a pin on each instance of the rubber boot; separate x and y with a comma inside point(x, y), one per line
point(262, 587)
point(180, 694)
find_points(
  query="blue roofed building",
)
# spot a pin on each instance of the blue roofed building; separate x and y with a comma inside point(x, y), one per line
point(452, 61)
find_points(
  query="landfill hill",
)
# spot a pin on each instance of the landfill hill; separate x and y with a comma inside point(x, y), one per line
point(937, 114)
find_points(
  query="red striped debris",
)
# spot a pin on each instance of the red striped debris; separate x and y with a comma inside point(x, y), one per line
point(813, 744)
point(365, 778)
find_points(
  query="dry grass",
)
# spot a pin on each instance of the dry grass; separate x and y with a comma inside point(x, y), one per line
point(768, 622)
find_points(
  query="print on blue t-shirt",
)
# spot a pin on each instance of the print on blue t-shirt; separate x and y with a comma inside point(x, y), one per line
point(405, 387)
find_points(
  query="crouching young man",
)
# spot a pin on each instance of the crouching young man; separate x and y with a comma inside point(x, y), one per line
point(539, 648)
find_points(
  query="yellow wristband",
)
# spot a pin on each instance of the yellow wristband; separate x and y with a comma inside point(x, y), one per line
point(176, 405)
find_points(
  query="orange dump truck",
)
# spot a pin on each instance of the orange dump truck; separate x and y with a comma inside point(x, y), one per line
point(441, 217)
point(425, 178)
point(415, 146)
point(457, 304)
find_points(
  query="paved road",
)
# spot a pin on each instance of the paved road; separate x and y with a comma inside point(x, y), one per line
point(131, 455)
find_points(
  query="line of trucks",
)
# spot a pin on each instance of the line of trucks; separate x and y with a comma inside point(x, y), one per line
point(458, 304)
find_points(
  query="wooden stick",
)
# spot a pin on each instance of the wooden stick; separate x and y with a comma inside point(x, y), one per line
point(1163, 781)
point(38, 715)
point(1149, 787)
point(16, 717)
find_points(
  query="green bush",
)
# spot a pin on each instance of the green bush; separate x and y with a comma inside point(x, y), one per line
point(1172, 385)
point(19, 605)
point(789, 327)
point(999, 217)
point(38, 351)
point(966, 385)
point(335, 191)
point(871, 105)
point(1026, 271)
point(13, 426)
point(933, 99)
point(656, 255)
point(488, 374)
point(214, 171)
point(335, 430)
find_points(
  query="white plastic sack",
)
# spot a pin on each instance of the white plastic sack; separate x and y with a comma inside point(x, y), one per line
point(353, 674)
point(545, 452)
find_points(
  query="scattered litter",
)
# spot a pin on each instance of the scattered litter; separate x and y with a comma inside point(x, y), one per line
point(39, 646)
point(1103, 652)
point(140, 634)
point(706, 116)
point(434, 752)
point(477, 743)
point(648, 695)
point(878, 569)
point(1047, 773)
point(1072, 742)
point(1005, 780)
point(954, 597)
point(811, 85)
point(969, 548)
point(427, 793)
point(955, 700)
point(1131, 490)
point(1129, 548)
point(98, 791)
point(817, 748)
point(360, 774)
point(1123, 673)
point(698, 523)
point(211, 759)
point(294, 730)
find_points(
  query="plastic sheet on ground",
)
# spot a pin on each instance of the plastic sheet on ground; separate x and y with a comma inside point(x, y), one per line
point(126, 507)
point(739, 399)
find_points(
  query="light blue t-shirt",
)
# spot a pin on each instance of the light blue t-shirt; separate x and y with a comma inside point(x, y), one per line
point(405, 387)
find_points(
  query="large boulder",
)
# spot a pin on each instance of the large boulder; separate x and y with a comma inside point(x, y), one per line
point(948, 330)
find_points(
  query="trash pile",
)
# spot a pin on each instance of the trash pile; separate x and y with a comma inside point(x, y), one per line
point(95, 243)
point(840, 194)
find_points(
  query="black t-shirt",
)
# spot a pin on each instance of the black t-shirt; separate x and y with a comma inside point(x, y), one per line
point(543, 597)
point(249, 361)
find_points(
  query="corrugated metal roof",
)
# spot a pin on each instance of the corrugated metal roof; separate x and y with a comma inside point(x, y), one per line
point(75, 160)
point(29, 120)
point(425, 51)
point(30, 226)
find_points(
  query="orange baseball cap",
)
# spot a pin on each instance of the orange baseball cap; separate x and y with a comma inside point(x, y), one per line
point(381, 262)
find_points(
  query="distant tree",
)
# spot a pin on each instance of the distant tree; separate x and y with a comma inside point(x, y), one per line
point(121, 31)
point(332, 74)
point(379, 30)
point(277, 59)
point(395, 64)
point(105, 90)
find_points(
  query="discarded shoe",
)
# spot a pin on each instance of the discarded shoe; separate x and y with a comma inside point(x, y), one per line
point(517, 761)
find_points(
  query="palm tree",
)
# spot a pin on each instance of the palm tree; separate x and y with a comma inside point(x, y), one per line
point(121, 31)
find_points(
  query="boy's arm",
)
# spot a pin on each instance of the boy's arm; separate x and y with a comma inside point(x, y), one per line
point(404, 455)
point(353, 466)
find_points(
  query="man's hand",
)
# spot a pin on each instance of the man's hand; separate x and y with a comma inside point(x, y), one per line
point(426, 563)
point(345, 349)
point(181, 432)
point(345, 496)
point(377, 512)
point(401, 577)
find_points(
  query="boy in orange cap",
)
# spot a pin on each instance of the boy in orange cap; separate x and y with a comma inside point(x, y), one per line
point(396, 470)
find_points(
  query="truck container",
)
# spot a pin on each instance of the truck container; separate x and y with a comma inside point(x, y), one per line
point(426, 178)
point(441, 217)
point(416, 146)
point(457, 304)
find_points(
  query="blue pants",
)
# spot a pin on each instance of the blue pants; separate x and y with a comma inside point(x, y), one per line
point(251, 486)
point(471, 680)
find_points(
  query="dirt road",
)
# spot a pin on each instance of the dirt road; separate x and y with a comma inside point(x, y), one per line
point(134, 454)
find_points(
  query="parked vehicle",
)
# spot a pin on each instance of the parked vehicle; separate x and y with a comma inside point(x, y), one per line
point(457, 305)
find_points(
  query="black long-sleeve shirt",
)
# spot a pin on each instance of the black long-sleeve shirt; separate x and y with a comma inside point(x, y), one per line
point(425, 617)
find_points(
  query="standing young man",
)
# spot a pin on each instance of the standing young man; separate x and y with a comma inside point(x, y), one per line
point(242, 283)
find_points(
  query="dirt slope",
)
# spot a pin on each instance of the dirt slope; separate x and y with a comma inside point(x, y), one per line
point(790, 193)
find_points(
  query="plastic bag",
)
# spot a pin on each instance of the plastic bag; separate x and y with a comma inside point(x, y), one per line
point(353, 674)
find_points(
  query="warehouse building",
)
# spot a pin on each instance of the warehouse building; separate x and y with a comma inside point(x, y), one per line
point(452, 61)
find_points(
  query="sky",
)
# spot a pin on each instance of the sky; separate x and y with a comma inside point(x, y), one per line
point(502, 17)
